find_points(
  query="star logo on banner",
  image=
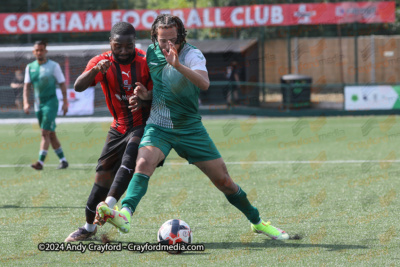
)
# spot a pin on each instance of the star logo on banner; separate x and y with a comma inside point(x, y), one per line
point(303, 15)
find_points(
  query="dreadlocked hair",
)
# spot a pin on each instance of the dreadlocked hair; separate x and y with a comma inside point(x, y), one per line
point(165, 21)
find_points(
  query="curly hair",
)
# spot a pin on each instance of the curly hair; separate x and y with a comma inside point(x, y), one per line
point(122, 28)
point(166, 21)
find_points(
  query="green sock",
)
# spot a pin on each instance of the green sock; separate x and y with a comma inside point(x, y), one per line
point(136, 190)
point(59, 153)
point(42, 155)
point(240, 201)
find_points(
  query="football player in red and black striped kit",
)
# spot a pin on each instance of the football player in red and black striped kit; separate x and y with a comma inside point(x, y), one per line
point(119, 71)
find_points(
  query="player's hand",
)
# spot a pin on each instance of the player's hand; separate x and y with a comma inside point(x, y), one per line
point(172, 56)
point(65, 108)
point(26, 108)
point(142, 92)
point(135, 103)
point(103, 65)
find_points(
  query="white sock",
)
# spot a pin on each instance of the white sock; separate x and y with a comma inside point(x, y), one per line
point(90, 227)
point(63, 159)
point(127, 209)
point(41, 162)
point(111, 201)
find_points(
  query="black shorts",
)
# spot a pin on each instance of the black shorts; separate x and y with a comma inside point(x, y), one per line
point(114, 148)
point(18, 93)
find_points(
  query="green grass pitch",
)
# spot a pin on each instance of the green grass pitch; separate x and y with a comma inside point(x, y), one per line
point(334, 181)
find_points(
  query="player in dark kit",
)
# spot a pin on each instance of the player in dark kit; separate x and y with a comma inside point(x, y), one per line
point(119, 71)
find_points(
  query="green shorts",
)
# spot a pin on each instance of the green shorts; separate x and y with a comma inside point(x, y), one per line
point(47, 114)
point(194, 147)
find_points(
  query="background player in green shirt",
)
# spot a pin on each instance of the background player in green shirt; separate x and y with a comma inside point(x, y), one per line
point(179, 73)
point(44, 74)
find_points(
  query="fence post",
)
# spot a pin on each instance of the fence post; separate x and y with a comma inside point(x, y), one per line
point(355, 26)
point(263, 62)
point(289, 51)
point(372, 51)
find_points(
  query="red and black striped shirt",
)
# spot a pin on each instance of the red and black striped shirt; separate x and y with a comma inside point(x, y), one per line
point(118, 85)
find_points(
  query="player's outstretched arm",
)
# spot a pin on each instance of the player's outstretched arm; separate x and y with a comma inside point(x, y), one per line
point(86, 79)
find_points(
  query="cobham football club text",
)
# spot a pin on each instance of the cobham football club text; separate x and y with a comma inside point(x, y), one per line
point(50, 247)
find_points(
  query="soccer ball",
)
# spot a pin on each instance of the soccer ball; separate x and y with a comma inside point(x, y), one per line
point(174, 231)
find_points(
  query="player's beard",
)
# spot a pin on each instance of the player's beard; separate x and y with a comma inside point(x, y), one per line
point(125, 61)
point(41, 59)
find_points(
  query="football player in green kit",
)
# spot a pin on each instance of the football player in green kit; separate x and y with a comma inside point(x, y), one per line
point(179, 72)
point(44, 74)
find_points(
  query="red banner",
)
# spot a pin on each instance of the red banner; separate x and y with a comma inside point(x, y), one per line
point(213, 17)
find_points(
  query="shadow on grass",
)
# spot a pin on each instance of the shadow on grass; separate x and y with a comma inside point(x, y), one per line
point(41, 207)
point(252, 246)
point(98, 240)
point(278, 244)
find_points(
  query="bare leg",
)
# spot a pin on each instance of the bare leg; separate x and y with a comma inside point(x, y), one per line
point(148, 159)
point(217, 172)
point(45, 142)
point(55, 143)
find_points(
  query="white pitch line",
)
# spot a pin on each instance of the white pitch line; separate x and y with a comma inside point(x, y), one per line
point(58, 120)
point(234, 163)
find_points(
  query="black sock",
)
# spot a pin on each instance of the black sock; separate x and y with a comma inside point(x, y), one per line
point(125, 171)
point(97, 195)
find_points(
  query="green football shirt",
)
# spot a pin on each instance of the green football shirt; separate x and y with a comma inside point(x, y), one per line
point(175, 99)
